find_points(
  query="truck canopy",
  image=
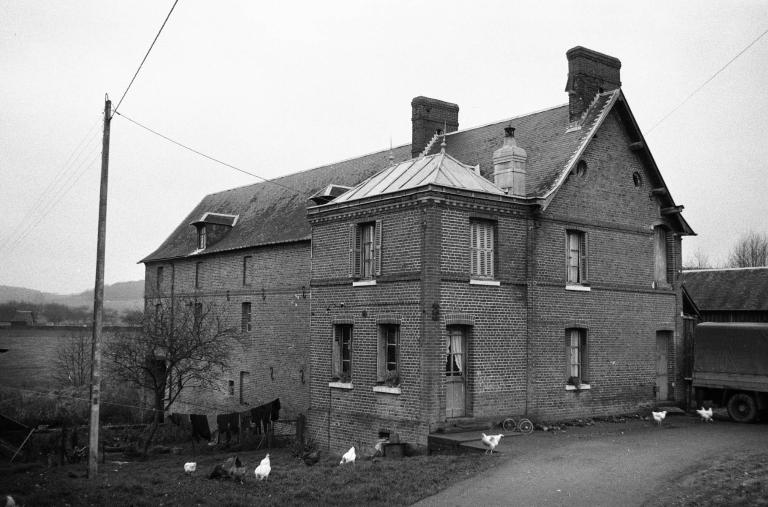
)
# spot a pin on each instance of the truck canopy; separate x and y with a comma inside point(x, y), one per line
point(740, 348)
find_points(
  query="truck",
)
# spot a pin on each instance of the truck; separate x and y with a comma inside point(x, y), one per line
point(730, 367)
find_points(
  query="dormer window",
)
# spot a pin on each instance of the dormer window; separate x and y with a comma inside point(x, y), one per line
point(201, 237)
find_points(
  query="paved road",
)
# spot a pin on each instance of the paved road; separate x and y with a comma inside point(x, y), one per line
point(620, 464)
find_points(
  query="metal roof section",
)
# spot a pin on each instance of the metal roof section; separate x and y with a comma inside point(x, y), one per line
point(440, 169)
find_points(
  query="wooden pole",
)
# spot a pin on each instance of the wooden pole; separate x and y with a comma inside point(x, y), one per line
point(98, 300)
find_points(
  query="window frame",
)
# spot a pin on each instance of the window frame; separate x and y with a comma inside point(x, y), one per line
point(246, 272)
point(230, 388)
point(485, 254)
point(663, 256)
point(387, 331)
point(361, 258)
point(202, 237)
point(342, 341)
point(581, 256)
point(246, 317)
point(582, 359)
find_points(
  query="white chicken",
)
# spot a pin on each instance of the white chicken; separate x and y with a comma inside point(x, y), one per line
point(659, 416)
point(262, 471)
point(491, 441)
point(9, 502)
point(705, 413)
point(349, 456)
point(190, 467)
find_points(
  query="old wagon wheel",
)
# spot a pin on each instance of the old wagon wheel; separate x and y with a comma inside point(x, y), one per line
point(509, 424)
point(525, 426)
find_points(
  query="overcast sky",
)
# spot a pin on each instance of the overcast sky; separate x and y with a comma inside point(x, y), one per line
point(279, 87)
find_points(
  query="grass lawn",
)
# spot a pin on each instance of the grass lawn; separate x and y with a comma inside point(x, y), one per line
point(160, 480)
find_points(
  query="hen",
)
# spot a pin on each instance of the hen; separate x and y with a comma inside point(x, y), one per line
point(659, 416)
point(310, 458)
point(190, 467)
point(491, 441)
point(238, 470)
point(349, 456)
point(262, 471)
point(705, 413)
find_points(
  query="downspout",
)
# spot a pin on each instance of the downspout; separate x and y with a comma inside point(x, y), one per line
point(530, 266)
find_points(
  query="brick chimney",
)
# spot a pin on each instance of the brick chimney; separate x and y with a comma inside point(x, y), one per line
point(427, 117)
point(509, 172)
point(589, 73)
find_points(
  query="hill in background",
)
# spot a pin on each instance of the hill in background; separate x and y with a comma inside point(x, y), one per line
point(120, 296)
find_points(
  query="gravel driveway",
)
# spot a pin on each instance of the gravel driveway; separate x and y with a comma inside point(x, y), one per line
point(628, 463)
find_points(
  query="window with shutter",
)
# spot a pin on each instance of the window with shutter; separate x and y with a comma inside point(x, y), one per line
point(245, 317)
point(576, 356)
point(388, 356)
point(342, 352)
point(660, 256)
point(576, 257)
point(365, 250)
point(482, 249)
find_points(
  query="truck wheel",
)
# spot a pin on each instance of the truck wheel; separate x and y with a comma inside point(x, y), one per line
point(742, 408)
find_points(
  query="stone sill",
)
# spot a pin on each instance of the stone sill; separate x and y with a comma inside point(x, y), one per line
point(582, 288)
point(363, 283)
point(386, 389)
point(341, 385)
point(582, 387)
point(491, 283)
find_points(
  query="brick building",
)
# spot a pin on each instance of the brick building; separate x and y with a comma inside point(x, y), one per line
point(529, 266)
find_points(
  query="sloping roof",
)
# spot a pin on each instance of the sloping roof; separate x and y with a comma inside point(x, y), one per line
point(438, 169)
point(743, 289)
point(275, 211)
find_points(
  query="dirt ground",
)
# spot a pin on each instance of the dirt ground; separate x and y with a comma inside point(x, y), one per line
point(634, 462)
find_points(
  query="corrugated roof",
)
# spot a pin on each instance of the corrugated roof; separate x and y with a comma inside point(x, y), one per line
point(438, 169)
point(728, 289)
point(271, 213)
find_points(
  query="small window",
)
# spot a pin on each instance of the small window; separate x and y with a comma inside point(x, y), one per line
point(198, 274)
point(365, 250)
point(576, 356)
point(576, 257)
point(244, 376)
point(637, 180)
point(581, 169)
point(231, 387)
point(342, 352)
point(246, 271)
point(201, 237)
point(481, 247)
point(159, 279)
point(664, 261)
point(245, 317)
point(389, 354)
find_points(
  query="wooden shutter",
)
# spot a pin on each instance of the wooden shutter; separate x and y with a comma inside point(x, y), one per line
point(584, 356)
point(670, 254)
point(377, 248)
point(489, 252)
point(473, 248)
point(336, 352)
point(583, 257)
point(354, 251)
point(381, 359)
point(660, 254)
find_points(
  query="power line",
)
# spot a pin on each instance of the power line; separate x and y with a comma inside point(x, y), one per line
point(707, 81)
point(145, 56)
point(210, 157)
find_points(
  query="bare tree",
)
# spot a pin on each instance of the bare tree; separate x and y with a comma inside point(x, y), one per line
point(72, 364)
point(751, 250)
point(697, 260)
point(182, 345)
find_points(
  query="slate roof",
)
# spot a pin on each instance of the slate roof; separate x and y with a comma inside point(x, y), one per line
point(275, 212)
point(744, 289)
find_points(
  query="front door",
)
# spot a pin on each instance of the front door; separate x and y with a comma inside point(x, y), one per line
point(662, 371)
point(455, 373)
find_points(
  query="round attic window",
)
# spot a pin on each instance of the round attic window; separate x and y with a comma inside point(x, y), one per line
point(637, 179)
point(581, 169)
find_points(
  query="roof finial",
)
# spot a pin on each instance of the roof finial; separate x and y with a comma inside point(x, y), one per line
point(443, 145)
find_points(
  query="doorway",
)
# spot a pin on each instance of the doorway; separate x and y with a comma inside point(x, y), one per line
point(455, 372)
point(663, 339)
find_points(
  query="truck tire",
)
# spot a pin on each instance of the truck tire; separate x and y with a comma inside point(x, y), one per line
point(742, 408)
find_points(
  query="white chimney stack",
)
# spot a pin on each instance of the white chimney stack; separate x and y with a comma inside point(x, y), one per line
point(509, 165)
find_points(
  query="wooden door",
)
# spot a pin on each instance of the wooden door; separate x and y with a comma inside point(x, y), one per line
point(662, 370)
point(455, 373)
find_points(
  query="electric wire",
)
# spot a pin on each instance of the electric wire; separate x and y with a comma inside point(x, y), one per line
point(272, 181)
point(707, 81)
point(145, 56)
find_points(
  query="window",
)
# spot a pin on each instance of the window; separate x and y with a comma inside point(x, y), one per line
point(231, 387)
point(244, 375)
point(365, 250)
point(201, 237)
point(159, 279)
point(246, 270)
point(455, 355)
point(664, 262)
point(576, 257)
point(389, 345)
point(482, 239)
point(576, 356)
point(342, 352)
point(245, 317)
point(198, 274)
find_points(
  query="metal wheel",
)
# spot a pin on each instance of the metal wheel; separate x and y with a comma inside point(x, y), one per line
point(509, 425)
point(525, 426)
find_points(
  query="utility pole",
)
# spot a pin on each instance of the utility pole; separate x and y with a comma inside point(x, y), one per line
point(98, 300)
